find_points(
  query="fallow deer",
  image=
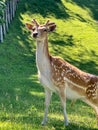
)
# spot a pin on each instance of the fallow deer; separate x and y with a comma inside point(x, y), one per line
point(57, 75)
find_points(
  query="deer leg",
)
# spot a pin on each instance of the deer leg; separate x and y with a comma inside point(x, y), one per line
point(63, 102)
point(48, 95)
point(97, 120)
point(94, 107)
point(96, 111)
point(73, 102)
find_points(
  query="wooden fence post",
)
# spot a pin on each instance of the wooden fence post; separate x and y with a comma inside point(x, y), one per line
point(8, 15)
point(1, 34)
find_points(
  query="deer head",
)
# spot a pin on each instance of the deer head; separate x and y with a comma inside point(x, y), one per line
point(40, 31)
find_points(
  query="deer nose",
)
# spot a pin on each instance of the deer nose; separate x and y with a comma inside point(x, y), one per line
point(35, 35)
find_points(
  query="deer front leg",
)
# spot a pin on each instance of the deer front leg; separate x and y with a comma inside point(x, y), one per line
point(48, 95)
point(63, 102)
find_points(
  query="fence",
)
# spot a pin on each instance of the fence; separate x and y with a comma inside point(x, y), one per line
point(8, 14)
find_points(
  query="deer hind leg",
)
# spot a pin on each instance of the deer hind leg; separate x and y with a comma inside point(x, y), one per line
point(96, 111)
point(62, 95)
point(94, 107)
point(48, 95)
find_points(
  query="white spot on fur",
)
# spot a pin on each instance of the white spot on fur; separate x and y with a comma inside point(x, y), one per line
point(52, 63)
point(64, 78)
point(62, 74)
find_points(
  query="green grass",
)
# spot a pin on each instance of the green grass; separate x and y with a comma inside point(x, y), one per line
point(75, 40)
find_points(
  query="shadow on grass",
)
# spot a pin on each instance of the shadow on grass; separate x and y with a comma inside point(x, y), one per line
point(65, 40)
point(91, 4)
point(72, 126)
point(46, 8)
point(89, 66)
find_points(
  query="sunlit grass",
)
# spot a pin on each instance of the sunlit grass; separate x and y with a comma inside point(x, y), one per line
point(37, 94)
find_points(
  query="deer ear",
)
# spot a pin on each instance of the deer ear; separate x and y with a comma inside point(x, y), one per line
point(52, 28)
point(29, 26)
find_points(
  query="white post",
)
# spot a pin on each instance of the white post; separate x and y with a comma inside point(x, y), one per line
point(8, 15)
point(1, 34)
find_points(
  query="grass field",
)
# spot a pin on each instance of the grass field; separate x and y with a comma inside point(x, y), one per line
point(75, 40)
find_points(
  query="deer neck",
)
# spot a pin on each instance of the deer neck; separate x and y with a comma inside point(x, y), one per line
point(42, 56)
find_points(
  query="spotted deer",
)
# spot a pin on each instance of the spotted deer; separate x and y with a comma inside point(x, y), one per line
point(57, 75)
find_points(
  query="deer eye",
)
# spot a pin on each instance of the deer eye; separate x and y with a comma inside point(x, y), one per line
point(33, 29)
point(45, 30)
